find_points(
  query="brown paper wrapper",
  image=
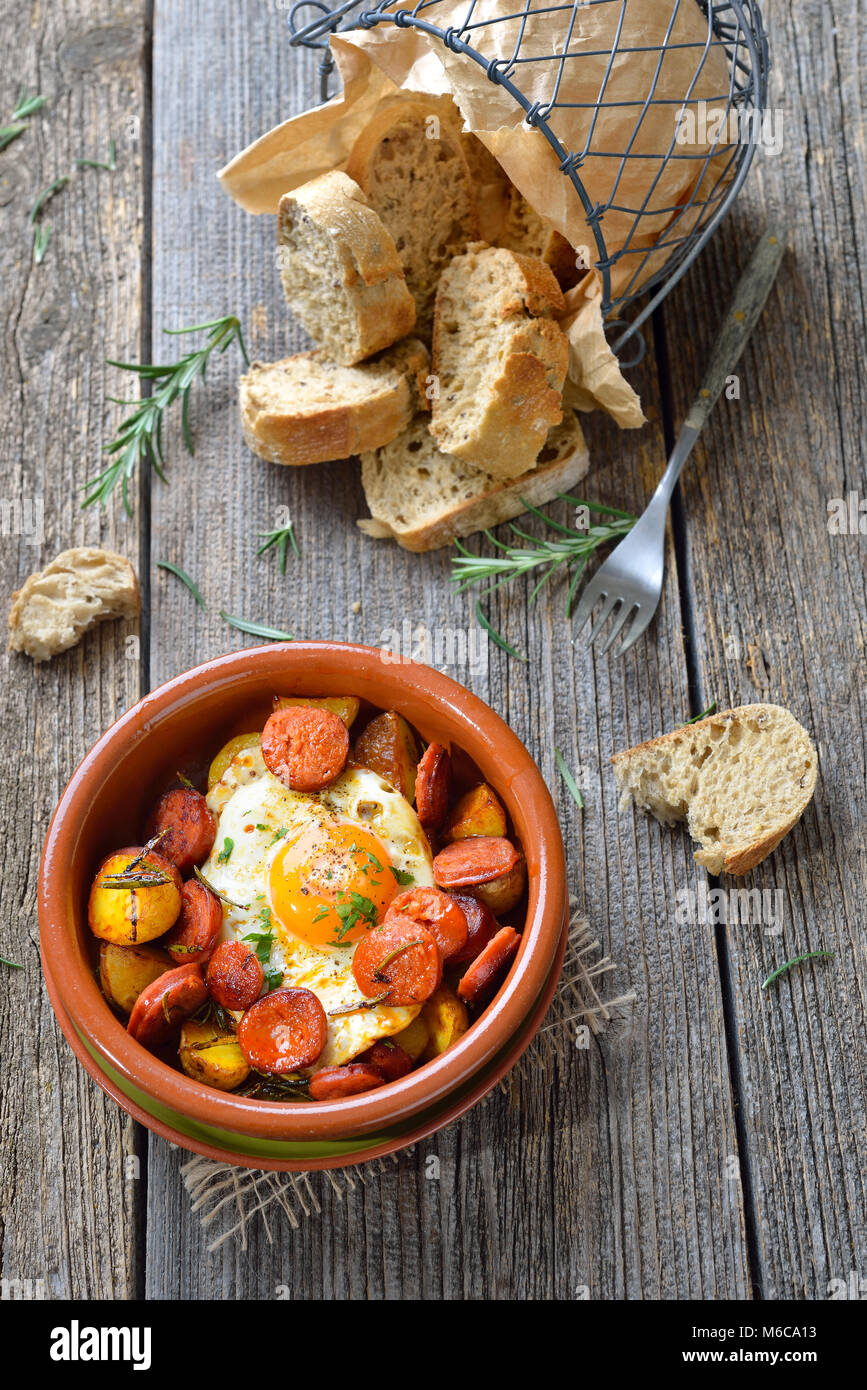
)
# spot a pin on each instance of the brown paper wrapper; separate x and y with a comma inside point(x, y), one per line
point(380, 64)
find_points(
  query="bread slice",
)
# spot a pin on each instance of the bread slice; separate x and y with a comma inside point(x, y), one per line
point(340, 269)
point(491, 188)
point(306, 410)
point(500, 359)
point(424, 498)
point(524, 230)
point(411, 165)
point(58, 604)
point(740, 779)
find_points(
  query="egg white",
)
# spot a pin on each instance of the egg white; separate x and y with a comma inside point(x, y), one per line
point(249, 795)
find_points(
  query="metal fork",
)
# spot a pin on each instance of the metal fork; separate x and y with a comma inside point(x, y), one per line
point(631, 578)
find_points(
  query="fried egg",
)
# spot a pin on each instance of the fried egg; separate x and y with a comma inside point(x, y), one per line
point(317, 871)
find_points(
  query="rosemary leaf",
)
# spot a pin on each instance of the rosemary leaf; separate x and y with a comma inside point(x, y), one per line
point(282, 537)
point(185, 579)
point(244, 907)
point(45, 195)
point(796, 960)
point(494, 635)
point(110, 164)
point(711, 709)
point(13, 964)
point(271, 634)
point(27, 106)
point(8, 133)
point(41, 237)
point(569, 779)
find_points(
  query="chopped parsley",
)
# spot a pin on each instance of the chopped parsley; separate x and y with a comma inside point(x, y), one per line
point(402, 876)
point(262, 942)
point(278, 835)
point(226, 852)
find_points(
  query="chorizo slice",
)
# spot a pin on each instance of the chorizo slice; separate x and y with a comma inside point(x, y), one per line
point(283, 1031)
point(305, 747)
point(194, 935)
point(482, 978)
point(479, 859)
point(388, 1058)
point(398, 961)
point(335, 1083)
point(160, 1009)
point(438, 912)
point(234, 975)
point(432, 784)
point(481, 926)
point(189, 824)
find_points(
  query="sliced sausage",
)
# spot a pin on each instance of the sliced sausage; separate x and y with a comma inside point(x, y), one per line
point(388, 1058)
point(400, 960)
point(481, 926)
point(484, 975)
point(305, 747)
point(160, 1009)
point(190, 825)
point(438, 912)
point(194, 935)
point(476, 860)
point(334, 1083)
point(283, 1031)
point(432, 783)
point(234, 975)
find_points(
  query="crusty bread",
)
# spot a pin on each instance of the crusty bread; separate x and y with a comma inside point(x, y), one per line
point(500, 359)
point(341, 271)
point(306, 410)
point(424, 498)
point(411, 165)
point(491, 188)
point(58, 604)
point(740, 779)
point(524, 230)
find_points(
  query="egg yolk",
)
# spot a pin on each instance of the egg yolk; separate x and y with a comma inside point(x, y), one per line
point(330, 883)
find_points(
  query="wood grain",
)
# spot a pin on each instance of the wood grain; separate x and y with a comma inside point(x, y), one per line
point(779, 607)
point(602, 1171)
point(68, 1213)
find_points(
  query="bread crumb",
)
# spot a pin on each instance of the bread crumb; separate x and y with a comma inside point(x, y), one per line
point(356, 607)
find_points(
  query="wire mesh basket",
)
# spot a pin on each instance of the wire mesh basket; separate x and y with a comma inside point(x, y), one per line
point(641, 263)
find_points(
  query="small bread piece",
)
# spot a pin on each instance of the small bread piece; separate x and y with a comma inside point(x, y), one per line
point(306, 410)
point(740, 779)
point(424, 498)
point(410, 162)
point(500, 359)
point(340, 269)
point(60, 603)
point(491, 189)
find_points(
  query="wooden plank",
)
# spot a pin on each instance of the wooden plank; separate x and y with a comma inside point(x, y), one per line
point(68, 1210)
point(601, 1171)
point(779, 615)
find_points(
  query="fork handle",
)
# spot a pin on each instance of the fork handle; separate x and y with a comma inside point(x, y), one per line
point(753, 289)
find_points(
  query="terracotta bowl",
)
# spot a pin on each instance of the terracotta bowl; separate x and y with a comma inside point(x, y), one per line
point(105, 805)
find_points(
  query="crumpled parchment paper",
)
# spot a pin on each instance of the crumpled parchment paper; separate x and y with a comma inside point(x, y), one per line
point(633, 110)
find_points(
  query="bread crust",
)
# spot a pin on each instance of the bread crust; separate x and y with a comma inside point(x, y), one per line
point(722, 857)
point(285, 432)
point(373, 278)
point(58, 604)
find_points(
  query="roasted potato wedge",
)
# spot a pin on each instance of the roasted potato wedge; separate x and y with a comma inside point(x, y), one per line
point(414, 1038)
point(344, 706)
point(389, 746)
point(124, 971)
point(129, 915)
point(446, 1020)
point(230, 750)
point(502, 894)
point(210, 1055)
point(478, 812)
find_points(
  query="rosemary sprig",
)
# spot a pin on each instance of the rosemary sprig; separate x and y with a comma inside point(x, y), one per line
point(142, 879)
point(139, 439)
point(263, 1087)
point(542, 555)
point(13, 964)
point(359, 1005)
point(244, 907)
point(569, 779)
point(796, 960)
point(272, 634)
point(282, 537)
point(185, 579)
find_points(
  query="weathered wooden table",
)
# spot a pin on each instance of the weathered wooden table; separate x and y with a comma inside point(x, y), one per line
point(712, 1143)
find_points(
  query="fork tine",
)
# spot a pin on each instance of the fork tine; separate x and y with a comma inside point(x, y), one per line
point(625, 612)
point(607, 610)
point(587, 603)
point(642, 619)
